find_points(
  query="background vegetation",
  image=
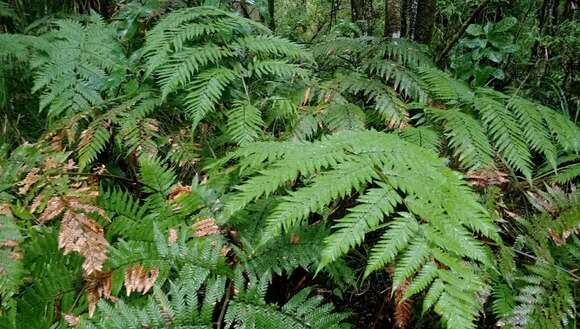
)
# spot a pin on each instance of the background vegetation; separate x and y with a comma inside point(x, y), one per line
point(289, 164)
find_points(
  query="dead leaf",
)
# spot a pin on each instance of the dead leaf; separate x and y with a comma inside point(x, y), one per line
point(31, 178)
point(403, 306)
point(54, 208)
point(485, 177)
point(98, 285)
point(140, 280)
point(294, 238)
point(172, 236)
point(5, 209)
point(205, 227)
point(10, 243)
point(72, 320)
point(81, 234)
point(178, 190)
point(36, 203)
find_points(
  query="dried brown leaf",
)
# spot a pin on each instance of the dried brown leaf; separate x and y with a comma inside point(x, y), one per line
point(205, 227)
point(172, 236)
point(98, 285)
point(81, 234)
point(178, 190)
point(403, 306)
point(484, 178)
point(10, 243)
point(5, 209)
point(72, 320)
point(55, 207)
point(31, 178)
point(140, 280)
point(36, 203)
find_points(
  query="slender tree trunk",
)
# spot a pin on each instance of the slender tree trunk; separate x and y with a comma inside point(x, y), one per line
point(356, 10)
point(369, 14)
point(424, 25)
point(271, 12)
point(393, 18)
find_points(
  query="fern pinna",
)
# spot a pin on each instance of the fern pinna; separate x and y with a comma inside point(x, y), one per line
point(430, 227)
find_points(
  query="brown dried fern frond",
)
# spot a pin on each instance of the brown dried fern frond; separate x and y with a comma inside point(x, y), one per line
point(138, 279)
point(403, 306)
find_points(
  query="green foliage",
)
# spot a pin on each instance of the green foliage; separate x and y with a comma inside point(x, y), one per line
point(484, 49)
point(192, 169)
point(399, 170)
point(203, 52)
point(73, 71)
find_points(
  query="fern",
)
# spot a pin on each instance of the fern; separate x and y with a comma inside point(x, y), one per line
point(244, 123)
point(444, 232)
point(467, 137)
point(74, 70)
point(11, 266)
point(422, 136)
point(187, 53)
point(503, 128)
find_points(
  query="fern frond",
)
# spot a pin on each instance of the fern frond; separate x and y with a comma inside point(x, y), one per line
point(155, 176)
point(421, 136)
point(506, 134)
point(206, 91)
point(325, 188)
point(373, 206)
point(397, 237)
point(534, 128)
point(181, 66)
point(268, 46)
point(443, 87)
point(93, 142)
point(402, 79)
point(244, 123)
point(73, 73)
point(466, 137)
point(344, 117)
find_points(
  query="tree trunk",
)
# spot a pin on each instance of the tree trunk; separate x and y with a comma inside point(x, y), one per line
point(426, 19)
point(393, 18)
point(271, 21)
point(357, 10)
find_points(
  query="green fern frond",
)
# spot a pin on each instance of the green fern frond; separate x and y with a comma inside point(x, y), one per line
point(206, 91)
point(534, 128)
point(11, 268)
point(329, 186)
point(277, 68)
point(155, 176)
point(443, 87)
point(96, 141)
point(403, 80)
point(339, 117)
point(267, 46)
point(422, 136)
point(504, 129)
point(397, 237)
point(244, 123)
point(74, 70)
point(181, 66)
point(466, 137)
point(350, 230)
